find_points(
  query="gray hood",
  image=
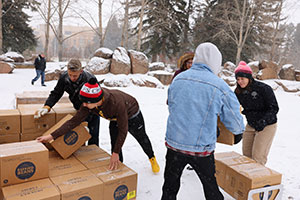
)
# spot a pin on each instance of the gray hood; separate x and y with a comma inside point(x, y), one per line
point(208, 54)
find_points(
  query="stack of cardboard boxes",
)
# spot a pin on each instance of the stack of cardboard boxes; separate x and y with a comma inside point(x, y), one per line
point(28, 170)
point(237, 175)
point(19, 124)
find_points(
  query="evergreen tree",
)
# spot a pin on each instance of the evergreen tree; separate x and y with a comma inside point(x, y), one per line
point(163, 27)
point(17, 35)
point(113, 36)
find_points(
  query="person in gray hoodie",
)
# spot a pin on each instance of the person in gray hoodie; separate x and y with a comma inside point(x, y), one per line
point(196, 98)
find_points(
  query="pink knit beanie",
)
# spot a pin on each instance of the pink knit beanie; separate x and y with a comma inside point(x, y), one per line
point(243, 70)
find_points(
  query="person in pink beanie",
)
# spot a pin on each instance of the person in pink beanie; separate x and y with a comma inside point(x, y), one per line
point(260, 108)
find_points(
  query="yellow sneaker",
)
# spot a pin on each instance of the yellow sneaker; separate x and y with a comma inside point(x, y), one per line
point(154, 165)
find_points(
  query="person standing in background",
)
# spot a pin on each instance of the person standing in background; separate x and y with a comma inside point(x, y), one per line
point(184, 62)
point(40, 66)
point(260, 108)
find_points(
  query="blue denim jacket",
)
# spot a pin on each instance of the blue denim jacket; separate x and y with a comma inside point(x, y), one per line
point(196, 98)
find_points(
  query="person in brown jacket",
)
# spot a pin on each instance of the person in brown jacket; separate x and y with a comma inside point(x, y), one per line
point(124, 114)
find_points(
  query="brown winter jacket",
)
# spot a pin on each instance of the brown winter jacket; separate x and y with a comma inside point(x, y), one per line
point(117, 106)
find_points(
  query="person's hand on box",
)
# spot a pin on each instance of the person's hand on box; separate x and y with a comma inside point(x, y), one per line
point(114, 161)
point(42, 111)
point(45, 139)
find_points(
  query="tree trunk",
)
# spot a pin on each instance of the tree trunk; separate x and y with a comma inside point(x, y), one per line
point(47, 29)
point(100, 34)
point(60, 31)
point(1, 36)
point(124, 41)
point(140, 32)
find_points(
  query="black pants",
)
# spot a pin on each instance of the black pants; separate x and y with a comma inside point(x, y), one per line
point(136, 127)
point(93, 125)
point(203, 166)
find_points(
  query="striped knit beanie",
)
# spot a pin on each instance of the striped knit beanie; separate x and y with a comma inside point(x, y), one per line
point(91, 92)
point(243, 70)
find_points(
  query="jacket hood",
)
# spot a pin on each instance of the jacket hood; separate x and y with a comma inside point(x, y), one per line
point(208, 54)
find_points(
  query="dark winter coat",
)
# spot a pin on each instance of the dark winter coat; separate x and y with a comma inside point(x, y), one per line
point(40, 63)
point(117, 106)
point(64, 84)
point(259, 103)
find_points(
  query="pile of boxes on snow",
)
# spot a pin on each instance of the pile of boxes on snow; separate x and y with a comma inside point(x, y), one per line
point(237, 174)
point(65, 170)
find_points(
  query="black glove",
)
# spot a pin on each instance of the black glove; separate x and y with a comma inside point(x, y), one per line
point(238, 138)
point(260, 125)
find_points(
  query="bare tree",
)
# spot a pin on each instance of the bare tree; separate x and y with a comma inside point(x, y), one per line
point(124, 41)
point(46, 13)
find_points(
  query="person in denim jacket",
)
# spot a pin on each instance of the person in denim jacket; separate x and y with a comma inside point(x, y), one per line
point(196, 98)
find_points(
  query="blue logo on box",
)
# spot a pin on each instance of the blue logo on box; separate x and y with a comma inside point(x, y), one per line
point(70, 138)
point(85, 198)
point(121, 192)
point(25, 170)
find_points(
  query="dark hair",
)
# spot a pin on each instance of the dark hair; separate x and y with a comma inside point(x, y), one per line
point(183, 66)
point(239, 90)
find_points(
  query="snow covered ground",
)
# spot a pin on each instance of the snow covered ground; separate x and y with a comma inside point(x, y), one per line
point(284, 156)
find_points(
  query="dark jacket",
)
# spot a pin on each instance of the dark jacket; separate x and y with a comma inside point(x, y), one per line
point(259, 103)
point(64, 84)
point(117, 106)
point(40, 63)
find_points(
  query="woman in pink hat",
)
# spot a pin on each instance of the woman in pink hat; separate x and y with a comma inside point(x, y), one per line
point(260, 108)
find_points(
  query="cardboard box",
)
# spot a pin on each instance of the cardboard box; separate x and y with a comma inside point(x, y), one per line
point(224, 160)
point(118, 184)
point(37, 97)
point(59, 166)
point(10, 122)
point(92, 156)
point(79, 185)
point(29, 136)
point(31, 125)
point(42, 189)
point(68, 143)
point(23, 161)
point(63, 109)
point(9, 138)
point(240, 179)
point(225, 137)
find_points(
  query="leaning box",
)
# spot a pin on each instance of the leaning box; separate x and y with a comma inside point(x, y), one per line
point(68, 143)
point(23, 161)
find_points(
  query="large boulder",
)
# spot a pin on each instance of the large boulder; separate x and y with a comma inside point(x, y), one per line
point(268, 64)
point(16, 57)
point(103, 53)
point(255, 67)
point(229, 66)
point(164, 77)
point(53, 75)
point(120, 63)
point(267, 73)
point(157, 66)
point(297, 75)
point(6, 68)
point(98, 65)
point(139, 62)
point(287, 72)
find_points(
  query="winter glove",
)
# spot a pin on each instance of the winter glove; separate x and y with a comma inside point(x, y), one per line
point(238, 138)
point(42, 111)
point(260, 125)
point(218, 132)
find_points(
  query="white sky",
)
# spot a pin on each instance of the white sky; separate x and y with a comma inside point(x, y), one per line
point(284, 155)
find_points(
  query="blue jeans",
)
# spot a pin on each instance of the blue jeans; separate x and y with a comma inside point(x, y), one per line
point(38, 74)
